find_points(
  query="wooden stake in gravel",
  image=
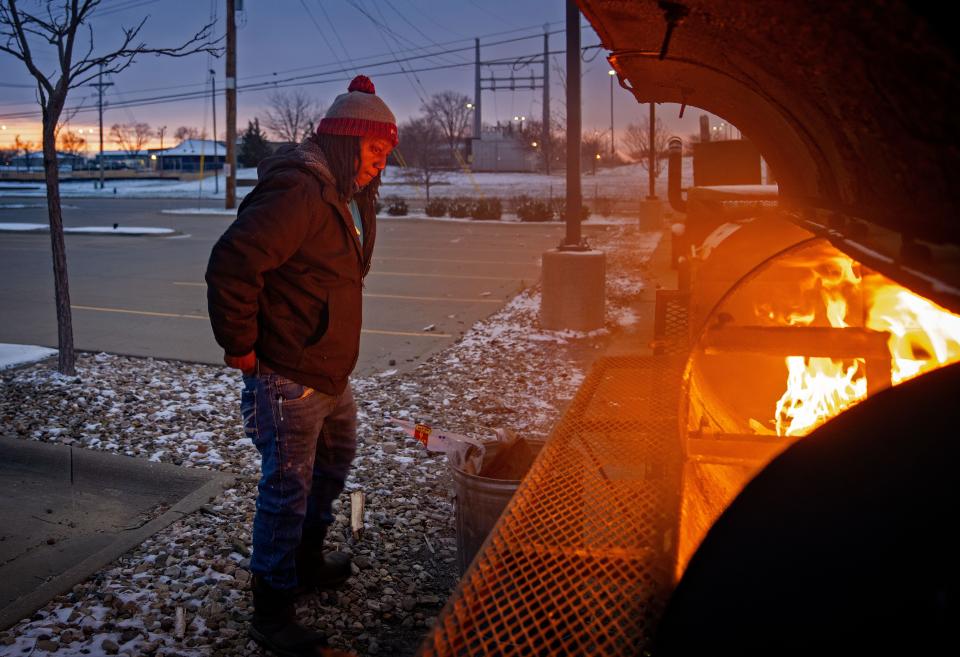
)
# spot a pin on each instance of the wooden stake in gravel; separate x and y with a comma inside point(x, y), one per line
point(356, 513)
point(180, 623)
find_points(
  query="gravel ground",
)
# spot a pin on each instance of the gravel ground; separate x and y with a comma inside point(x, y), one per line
point(185, 591)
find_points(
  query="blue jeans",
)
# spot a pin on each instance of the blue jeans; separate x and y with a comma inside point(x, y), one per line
point(307, 440)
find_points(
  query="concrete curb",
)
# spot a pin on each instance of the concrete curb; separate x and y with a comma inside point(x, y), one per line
point(125, 540)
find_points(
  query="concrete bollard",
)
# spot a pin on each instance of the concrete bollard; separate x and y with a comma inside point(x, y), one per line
point(651, 214)
point(573, 290)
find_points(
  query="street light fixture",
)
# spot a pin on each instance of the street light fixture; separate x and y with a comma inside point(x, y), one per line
point(611, 73)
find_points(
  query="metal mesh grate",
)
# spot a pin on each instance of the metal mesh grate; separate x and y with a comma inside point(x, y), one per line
point(671, 331)
point(580, 561)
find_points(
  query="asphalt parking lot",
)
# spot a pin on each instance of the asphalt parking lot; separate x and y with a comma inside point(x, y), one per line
point(144, 296)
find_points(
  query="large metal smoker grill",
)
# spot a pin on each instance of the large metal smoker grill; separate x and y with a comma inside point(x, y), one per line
point(851, 117)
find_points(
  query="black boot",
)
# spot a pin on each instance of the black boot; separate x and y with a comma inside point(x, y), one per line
point(274, 624)
point(317, 569)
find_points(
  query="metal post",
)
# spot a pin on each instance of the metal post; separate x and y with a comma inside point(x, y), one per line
point(231, 100)
point(612, 148)
point(477, 125)
point(100, 84)
point(545, 137)
point(213, 100)
point(572, 240)
point(162, 130)
point(652, 151)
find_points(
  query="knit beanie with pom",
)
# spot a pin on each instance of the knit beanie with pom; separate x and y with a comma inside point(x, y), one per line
point(360, 113)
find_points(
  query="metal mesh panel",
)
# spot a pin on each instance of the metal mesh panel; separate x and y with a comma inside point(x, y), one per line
point(580, 561)
point(671, 329)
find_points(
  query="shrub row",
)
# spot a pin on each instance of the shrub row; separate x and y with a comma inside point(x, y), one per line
point(490, 209)
point(534, 209)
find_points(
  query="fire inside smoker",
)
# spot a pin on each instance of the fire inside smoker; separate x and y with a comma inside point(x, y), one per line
point(842, 330)
point(799, 341)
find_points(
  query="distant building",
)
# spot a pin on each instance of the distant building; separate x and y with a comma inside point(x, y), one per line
point(113, 160)
point(189, 155)
point(33, 161)
point(499, 149)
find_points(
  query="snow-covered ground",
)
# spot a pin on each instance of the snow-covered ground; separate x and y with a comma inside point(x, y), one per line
point(12, 355)
point(86, 230)
point(505, 372)
point(625, 182)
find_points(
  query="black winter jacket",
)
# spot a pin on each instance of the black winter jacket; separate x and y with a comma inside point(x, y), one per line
point(285, 279)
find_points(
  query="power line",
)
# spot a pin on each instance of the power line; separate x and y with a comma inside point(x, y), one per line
point(290, 81)
point(363, 61)
point(383, 30)
point(123, 6)
point(336, 33)
point(320, 30)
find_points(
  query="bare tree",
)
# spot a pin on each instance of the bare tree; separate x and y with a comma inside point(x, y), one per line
point(592, 148)
point(449, 112)
point(71, 142)
point(23, 147)
point(420, 152)
point(131, 136)
point(293, 115)
point(636, 139)
point(56, 24)
point(184, 132)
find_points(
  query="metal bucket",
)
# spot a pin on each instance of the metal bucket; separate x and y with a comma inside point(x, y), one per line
point(478, 504)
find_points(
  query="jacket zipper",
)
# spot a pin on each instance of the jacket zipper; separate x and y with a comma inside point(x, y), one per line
point(280, 406)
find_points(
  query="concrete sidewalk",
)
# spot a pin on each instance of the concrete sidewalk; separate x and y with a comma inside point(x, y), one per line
point(67, 512)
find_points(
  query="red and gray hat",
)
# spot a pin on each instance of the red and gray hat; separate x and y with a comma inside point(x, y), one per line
point(360, 113)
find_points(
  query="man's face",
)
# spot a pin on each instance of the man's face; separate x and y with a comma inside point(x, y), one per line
point(373, 159)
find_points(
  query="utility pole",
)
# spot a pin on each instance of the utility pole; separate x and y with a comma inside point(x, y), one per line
point(611, 73)
point(162, 130)
point(477, 125)
point(231, 100)
point(213, 99)
point(545, 137)
point(572, 240)
point(652, 151)
point(100, 84)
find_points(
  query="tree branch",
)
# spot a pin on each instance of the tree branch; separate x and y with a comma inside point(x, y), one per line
point(192, 46)
point(21, 38)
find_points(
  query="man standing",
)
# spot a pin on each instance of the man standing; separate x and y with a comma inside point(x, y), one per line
point(284, 293)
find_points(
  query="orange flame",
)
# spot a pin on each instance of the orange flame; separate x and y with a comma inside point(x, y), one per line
point(923, 337)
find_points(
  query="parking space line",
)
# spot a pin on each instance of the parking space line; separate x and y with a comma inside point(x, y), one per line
point(412, 298)
point(150, 313)
point(425, 275)
point(411, 334)
point(461, 262)
point(404, 297)
point(147, 313)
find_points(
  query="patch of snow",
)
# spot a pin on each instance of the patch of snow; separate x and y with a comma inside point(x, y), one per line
point(13, 227)
point(12, 355)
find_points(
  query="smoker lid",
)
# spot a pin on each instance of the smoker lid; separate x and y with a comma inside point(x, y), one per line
point(851, 104)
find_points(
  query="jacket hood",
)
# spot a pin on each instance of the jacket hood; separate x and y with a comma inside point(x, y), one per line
point(306, 156)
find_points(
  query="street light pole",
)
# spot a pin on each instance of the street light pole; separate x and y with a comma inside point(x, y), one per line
point(611, 73)
point(230, 98)
point(213, 99)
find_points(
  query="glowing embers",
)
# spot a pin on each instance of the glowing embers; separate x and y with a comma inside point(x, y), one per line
point(856, 304)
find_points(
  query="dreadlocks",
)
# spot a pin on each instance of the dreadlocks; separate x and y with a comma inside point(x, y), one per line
point(343, 155)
